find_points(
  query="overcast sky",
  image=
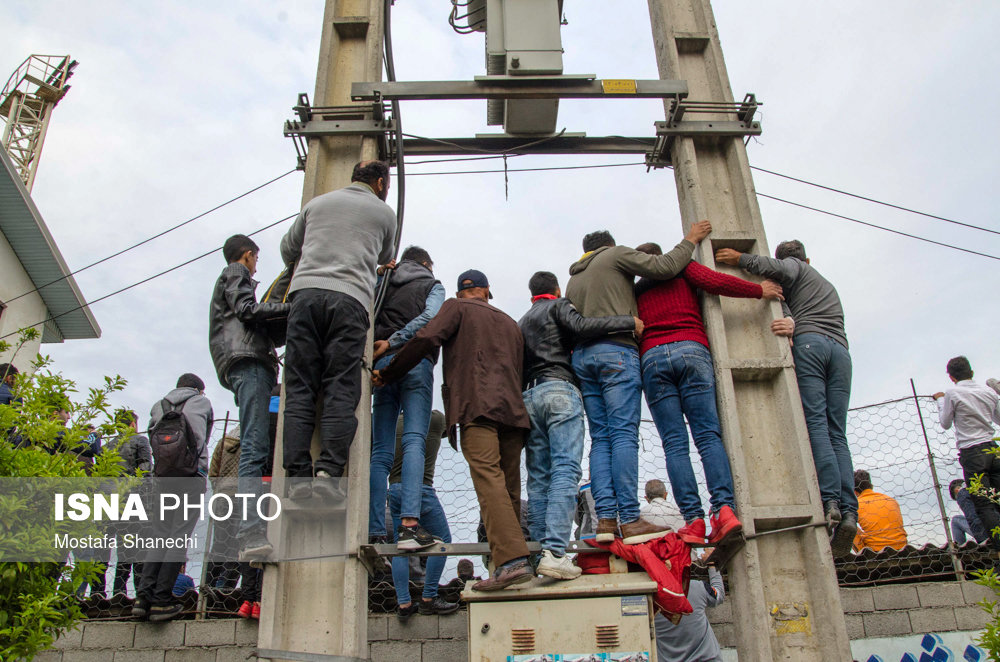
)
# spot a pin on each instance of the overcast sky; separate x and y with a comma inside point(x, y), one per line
point(178, 106)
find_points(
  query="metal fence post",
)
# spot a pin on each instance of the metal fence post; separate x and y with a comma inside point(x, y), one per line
point(956, 562)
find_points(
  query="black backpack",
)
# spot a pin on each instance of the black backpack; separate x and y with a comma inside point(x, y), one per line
point(175, 451)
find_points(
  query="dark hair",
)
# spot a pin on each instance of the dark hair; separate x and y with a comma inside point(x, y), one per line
point(7, 369)
point(655, 488)
point(543, 282)
point(370, 172)
point(790, 248)
point(862, 480)
point(959, 368)
point(236, 246)
point(954, 486)
point(650, 248)
point(190, 380)
point(595, 240)
point(417, 254)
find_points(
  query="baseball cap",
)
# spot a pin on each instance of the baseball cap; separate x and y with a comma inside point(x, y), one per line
point(475, 277)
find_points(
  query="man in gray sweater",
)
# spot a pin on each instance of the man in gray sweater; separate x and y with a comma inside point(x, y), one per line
point(823, 370)
point(692, 639)
point(335, 243)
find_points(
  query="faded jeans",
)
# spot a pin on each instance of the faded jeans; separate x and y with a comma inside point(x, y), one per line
point(612, 395)
point(553, 452)
point(823, 369)
point(679, 382)
point(251, 383)
point(434, 521)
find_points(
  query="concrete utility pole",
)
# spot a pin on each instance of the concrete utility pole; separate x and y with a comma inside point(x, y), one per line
point(320, 607)
point(787, 604)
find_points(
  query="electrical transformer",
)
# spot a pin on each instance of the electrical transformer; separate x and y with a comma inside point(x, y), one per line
point(594, 618)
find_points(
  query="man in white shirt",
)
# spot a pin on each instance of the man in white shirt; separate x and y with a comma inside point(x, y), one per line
point(973, 408)
point(658, 510)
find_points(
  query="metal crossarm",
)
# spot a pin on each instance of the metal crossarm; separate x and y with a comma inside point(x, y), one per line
point(520, 87)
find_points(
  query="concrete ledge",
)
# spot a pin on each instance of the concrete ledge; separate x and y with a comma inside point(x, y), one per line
point(246, 632)
point(856, 600)
point(418, 627)
point(940, 594)
point(973, 593)
point(210, 633)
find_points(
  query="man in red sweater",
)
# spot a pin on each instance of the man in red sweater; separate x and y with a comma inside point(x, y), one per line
point(678, 380)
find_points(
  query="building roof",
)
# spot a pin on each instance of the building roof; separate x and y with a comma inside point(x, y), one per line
point(22, 225)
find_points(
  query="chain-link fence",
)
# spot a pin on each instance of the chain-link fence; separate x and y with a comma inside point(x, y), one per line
point(899, 442)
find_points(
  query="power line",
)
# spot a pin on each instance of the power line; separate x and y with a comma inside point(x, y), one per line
point(155, 236)
point(879, 227)
point(878, 202)
point(146, 280)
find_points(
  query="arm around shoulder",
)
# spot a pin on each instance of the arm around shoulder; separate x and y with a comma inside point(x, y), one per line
point(590, 328)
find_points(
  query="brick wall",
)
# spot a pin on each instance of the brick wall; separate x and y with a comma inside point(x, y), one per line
point(881, 611)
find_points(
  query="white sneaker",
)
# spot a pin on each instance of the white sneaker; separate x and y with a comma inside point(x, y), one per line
point(559, 568)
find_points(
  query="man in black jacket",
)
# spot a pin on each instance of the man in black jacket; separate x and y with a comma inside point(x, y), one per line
point(413, 297)
point(247, 365)
point(551, 328)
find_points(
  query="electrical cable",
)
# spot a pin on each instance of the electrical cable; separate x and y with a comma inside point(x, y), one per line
point(155, 236)
point(390, 73)
point(878, 202)
point(145, 280)
point(879, 227)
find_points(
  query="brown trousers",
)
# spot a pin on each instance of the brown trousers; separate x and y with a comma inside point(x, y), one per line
point(493, 452)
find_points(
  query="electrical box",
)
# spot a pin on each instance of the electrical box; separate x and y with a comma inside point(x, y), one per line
point(594, 618)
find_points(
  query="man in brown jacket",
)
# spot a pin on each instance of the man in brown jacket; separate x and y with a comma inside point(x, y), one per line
point(483, 357)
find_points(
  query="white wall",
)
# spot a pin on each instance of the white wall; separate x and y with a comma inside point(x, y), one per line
point(18, 314)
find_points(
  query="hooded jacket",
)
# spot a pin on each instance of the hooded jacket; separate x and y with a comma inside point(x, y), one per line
point(601, 282)
point(236, 323)
point(198, 411)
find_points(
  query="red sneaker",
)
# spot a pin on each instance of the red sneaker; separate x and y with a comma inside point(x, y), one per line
point(255, 611)
point(245, 609)
point(724, 524)
point(693, 532)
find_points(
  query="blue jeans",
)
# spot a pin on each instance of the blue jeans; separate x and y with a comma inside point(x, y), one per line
point(553, 453)
point(413, 395)
point(823, 369)
point(612, 395)
point(679, 382)
point(433, 519)
point(960, 529)
point(251, 382)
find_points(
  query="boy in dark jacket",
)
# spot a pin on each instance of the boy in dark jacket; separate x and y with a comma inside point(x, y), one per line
point(247, 364)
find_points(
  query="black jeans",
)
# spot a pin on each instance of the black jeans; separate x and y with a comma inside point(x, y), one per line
point(977, 461)
point(158, 574)
point(326, 340)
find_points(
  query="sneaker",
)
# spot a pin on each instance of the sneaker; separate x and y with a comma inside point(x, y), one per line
point(607, 529)
point(693, 532)
point(245, 609)
point(255, 611)
point(409, 538)
point(404, 613)
point(831, 512)
point(437, 605)
point(299, 489)
point(255, 547)
point(559, 567)
point(641, 531)
point(140, 608)
point(724, 525)
point(843, 537)
point(325, 487)
point(504, 577)
point(163, 613)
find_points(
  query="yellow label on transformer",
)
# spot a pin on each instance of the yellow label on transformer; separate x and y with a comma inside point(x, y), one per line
point(618, 86)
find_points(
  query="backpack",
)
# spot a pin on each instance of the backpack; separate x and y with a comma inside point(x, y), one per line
point(175, 452)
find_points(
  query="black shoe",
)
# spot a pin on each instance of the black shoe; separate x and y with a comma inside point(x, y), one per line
point(328, 487)
point(299, 488)
point(404, 613)
point(409, 538)
point(843, 537)
point(378, 540)
point(437, 605)
point(140, 609)
point(255, 547)
point(831, 512)
point(162, 613)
